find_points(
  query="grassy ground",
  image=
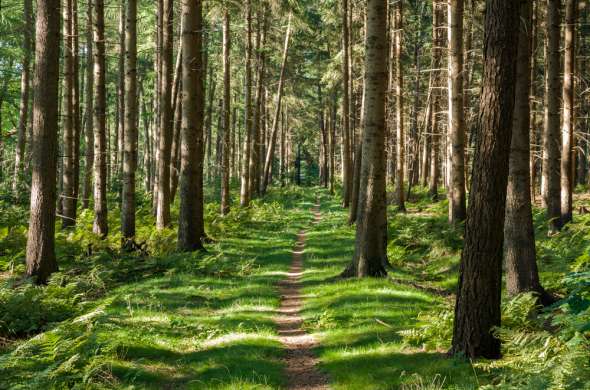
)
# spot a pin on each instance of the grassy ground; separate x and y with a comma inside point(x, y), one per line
point(205, 320)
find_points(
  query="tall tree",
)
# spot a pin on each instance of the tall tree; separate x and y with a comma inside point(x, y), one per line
point(226, 113)
point(40, 256)
point(370, 254)
point(477, 309)
point(130, 126)
point(68, 191)
point(456, 193)
point(436, 96)
point(399, 109)
point(245, 177)
point(166, 118)
point(100, 130)
point(567, 150)
point(519, 233)
point(88, 112)
point(551, 139)
point(24, 94)
point(346, 160)
point(190, 227)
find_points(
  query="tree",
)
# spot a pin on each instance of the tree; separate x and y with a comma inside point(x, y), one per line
point(551, 168)
point(370, 254)
point(68, 192)
point(567, 150)
point(130, 126)
point(40, 255)
point(456, 193)
point(226, 113)
point(399, 109)
point(245, 177)
point(477, 309)
point(190, 228)
point(100, 139)
point(346, 163)
point(436, 96)
point(166, 118)
point(89, 126)
point(519, 233)
point(24, 94)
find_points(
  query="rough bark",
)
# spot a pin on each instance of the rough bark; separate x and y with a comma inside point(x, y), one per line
point(346, 163)
point(130, 126)
point(88, 113)
point(245, 177)
point(399, 110)
point(456, 193)
point(370, 254)
point(166, 118)
point(190, 227)
point(68, 192)
point(551, 139)
point(40, 255)
point(436, 74)
point(100, 137)
point(225, 196)
point(477, 309)
point(567, 132)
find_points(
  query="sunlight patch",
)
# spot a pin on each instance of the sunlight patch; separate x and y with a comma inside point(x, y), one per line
point(236, 337)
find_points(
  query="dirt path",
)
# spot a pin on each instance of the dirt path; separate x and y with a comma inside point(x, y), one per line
point(302, 373)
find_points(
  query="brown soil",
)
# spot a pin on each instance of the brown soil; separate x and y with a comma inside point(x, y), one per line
point(301, 364)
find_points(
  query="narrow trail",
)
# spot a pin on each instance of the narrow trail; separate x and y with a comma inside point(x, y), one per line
point(302, 372)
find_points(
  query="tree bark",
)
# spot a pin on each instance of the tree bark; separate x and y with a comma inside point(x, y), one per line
point(346, 163)
point(100, 138)
point(88, 112)
point(130, 126)
point(40, 256)
point(551, 139)
point(438, 42)
point(190, 226)
point(567, 147)
point(68, 192)
point(370, 254)
point(456, 193)
point(225, 195)
point(399, 110)
point(477, 309)
point(166, 118)
point(245, 179)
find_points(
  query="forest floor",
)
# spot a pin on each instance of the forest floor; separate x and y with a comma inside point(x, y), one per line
point(263, 296)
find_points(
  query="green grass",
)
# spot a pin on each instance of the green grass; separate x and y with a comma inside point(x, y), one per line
point(205, 321)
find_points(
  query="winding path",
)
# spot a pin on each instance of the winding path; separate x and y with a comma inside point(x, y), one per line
point(301, 363)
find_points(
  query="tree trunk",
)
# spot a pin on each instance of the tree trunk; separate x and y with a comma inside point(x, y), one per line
point(438, 42)
point(40, 256)
point(68, 193)
point(245, 179)
point(24, 96)
point(225, 196)
point(399, 110)
point(477, 310)
point(100, 137)
point(190, 226)
point(88, 112)
point(371, 232)
point(130, 126)
point(275, 121)
point(346, 163)
point(456, 193)
point(519, 233)
point(166, 125)
point(567, 149)
point(551, 190)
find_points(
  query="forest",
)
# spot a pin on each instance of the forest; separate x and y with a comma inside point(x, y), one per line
point(295, 194)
